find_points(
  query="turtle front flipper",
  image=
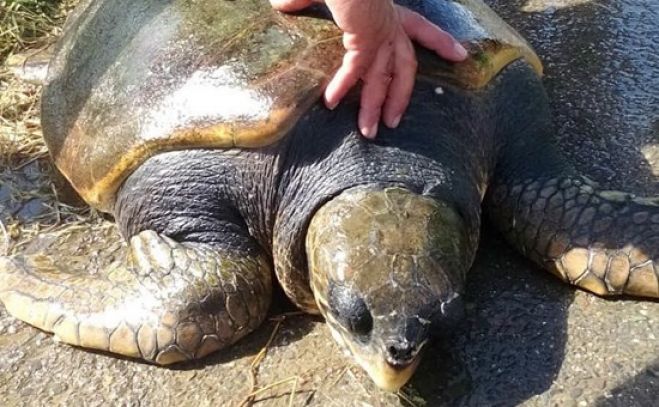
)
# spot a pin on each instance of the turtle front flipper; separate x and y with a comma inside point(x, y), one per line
point(604, 241)
point(168, 303)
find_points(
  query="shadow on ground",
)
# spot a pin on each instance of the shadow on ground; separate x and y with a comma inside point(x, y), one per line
point(511, 346)
point(641, 390)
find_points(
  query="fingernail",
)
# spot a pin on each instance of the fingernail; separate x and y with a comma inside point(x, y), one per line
point(395, 122)
point(369, 132)
point(331, 106)
point(460, 50)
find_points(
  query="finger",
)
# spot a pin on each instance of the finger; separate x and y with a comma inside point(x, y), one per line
point(351, 70)
point(290, 5)
point(400, 89)
point(374, 91)
point(430, 36)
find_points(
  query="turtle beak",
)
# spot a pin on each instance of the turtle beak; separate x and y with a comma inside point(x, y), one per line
point(398, 353)
point(401, 353)
point(397, 367)
point(390, 365)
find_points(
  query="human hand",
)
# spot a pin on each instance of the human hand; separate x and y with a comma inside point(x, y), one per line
point(377, 37)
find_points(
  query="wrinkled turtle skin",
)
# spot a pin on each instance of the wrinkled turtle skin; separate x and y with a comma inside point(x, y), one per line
point(199, 128)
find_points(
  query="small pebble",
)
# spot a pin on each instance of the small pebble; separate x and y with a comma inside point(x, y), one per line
point(439, 90)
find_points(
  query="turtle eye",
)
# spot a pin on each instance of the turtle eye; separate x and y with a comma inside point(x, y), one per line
point(350, 310)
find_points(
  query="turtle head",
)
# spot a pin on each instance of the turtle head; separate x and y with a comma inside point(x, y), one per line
point(386, 269)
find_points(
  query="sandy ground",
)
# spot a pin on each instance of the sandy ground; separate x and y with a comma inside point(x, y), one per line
point(528, 339)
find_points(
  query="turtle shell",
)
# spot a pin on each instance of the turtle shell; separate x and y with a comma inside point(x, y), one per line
point(131, 79)
point(491, 42)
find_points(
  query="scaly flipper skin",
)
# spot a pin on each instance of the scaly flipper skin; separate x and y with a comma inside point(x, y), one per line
point(606, 242)
point(170, 302)
point(603, 241)
point(190, 285)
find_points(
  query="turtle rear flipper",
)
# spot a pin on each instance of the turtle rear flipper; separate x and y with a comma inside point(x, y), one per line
point(168, 303)
point(604, 241)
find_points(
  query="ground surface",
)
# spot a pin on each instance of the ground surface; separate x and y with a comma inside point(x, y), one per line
point(528, 339)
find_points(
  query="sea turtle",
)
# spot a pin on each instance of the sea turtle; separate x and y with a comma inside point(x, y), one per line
point(198, 127)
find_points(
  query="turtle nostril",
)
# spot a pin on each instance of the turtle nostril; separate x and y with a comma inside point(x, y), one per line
point(401, 351)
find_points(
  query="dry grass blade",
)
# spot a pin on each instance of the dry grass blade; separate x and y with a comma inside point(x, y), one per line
point(249, 399)
point(270, 386)
point(340, 376)
point(256, 361)
point(26, 23)
point(5, 236)
point(290, 400)
point(408, 400)
point(259, 357)
point(282, 317)
point(309, 397)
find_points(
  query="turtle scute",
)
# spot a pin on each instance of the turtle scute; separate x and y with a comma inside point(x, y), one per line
point(171, 76)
